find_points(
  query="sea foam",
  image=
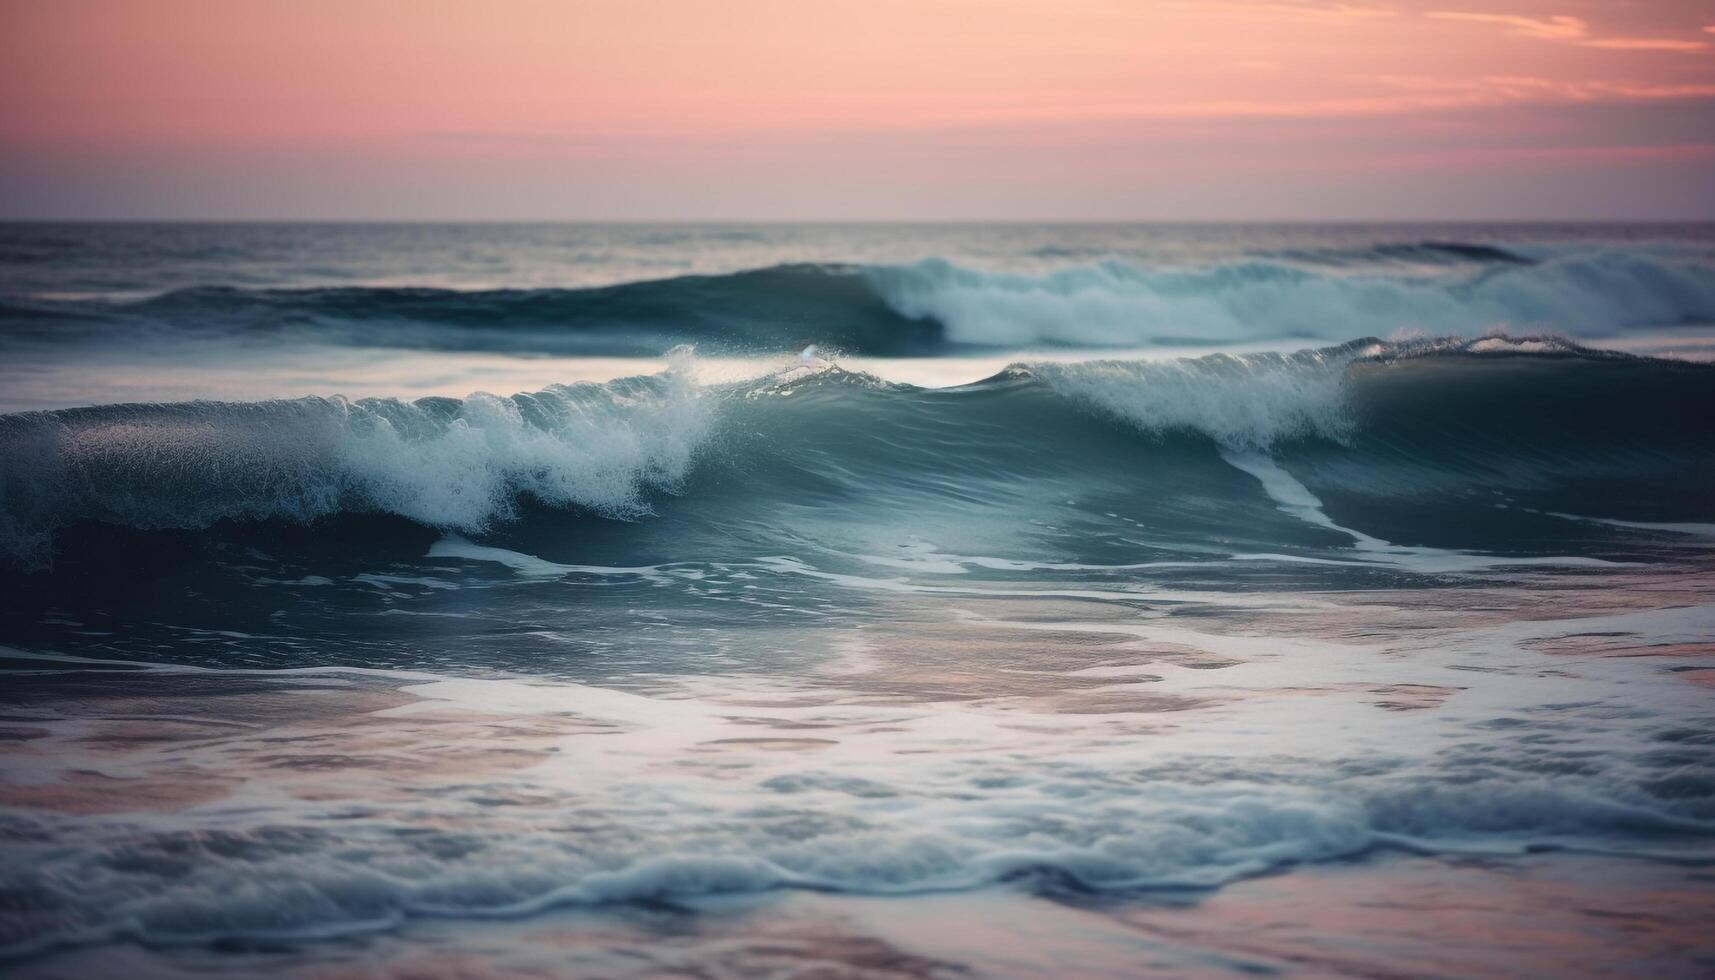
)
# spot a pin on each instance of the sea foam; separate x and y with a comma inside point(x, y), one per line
point(1239, 401)
point(459, 465)
point(1590, 294)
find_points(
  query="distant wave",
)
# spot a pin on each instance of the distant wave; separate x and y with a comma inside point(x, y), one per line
point(1432, 288)
point(1405, 418)
point(1114, 304)
point(773, 309)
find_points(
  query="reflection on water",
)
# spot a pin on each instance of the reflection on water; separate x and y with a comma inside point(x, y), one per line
point(1107, 758)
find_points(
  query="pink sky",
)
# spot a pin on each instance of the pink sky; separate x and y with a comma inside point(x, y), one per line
point(869, 109)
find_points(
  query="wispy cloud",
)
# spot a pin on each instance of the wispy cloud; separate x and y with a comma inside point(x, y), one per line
point(1294, 11)
point(1644, 44)
point(1549, 28)
point(1573, 29)
point(1438, 92)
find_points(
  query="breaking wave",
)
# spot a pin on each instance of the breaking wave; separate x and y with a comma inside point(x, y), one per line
point(1434, 288)
point(1114, 304)
point(449, 463)
point(1130, 832)
point(1401, 418)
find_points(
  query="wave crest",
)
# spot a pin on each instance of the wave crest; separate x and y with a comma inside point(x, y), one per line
point(1240, 401)
point(1114, 304)
point(1440, 416)
point(448, 463)
point(1435, 288)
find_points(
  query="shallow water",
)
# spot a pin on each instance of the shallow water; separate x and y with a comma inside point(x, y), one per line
point(1311, 655)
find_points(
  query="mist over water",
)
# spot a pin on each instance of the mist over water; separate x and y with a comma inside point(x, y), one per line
point(631, 597)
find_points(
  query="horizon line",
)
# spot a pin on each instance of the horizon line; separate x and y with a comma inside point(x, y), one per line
point(1094, 222)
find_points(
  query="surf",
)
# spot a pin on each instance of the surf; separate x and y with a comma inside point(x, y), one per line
point(1388, 428)
point(936, 305)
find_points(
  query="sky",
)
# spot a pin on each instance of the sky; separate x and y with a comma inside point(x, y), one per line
point(857, 109)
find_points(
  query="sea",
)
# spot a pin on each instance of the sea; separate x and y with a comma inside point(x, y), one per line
point(871, 600)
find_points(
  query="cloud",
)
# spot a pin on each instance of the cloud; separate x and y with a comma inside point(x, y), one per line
point(1572, 29)
point(1427, 93)
point(1558, 28)
point(1644, 44)
point(1323, 12)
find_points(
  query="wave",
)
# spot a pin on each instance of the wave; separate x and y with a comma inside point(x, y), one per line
point(1433, 288)
point(1062, 827)
point(448, 463)
point(773, 309)
point(1406, 419)
point(1241, 402)
point(1115, 304)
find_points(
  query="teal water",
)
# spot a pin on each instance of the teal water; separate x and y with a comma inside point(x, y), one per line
point(869, 600)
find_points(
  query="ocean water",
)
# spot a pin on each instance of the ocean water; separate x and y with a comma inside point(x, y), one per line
point(866, 600)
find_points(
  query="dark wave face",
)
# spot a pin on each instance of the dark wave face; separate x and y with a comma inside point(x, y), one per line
point(936, 306)
point(784, 307)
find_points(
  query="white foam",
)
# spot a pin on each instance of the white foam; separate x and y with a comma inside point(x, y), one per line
point(590, 446)
point(456, 465)
point(1593, 293)
point(899, 799)
point(1295, 498)
point(1689, 528)
point(388, 581)
point(1240, 401)
point(454, 546)
point(787, 565)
